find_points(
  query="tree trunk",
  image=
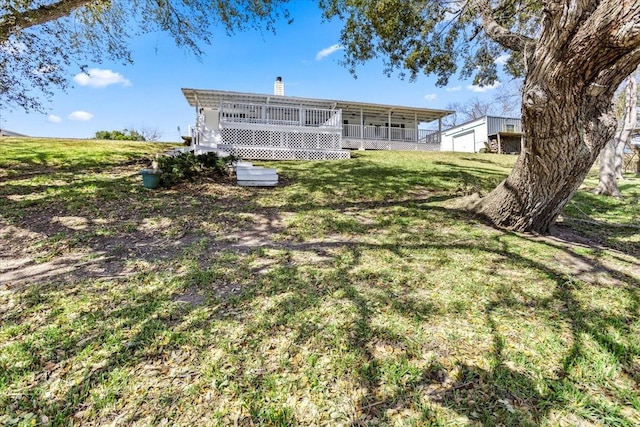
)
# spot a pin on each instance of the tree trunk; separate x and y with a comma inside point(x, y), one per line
point(608, 180)
point(618, 159)
point(572, 72)
point(612, 156)
point(629, 124)
point(570, 134)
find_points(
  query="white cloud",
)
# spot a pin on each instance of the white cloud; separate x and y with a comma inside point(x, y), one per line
point(480, 89)
point(54, 119)
point(96, 77)
point(502, 59)
point(430, 97)
point(328, 51)
point(453, 88)
point(80, 116)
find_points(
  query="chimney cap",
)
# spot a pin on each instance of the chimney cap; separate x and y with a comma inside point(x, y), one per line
point(278, 79)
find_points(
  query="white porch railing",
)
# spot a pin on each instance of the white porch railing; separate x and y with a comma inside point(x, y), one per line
point(233, 112)
point(382, 133)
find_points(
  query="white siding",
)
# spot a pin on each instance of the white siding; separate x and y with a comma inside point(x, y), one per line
point(469, 137)
point(465, 142)
point(212, 119)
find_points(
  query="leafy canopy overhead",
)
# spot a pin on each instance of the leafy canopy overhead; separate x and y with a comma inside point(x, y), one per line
point(42, 42)
point(436, 37)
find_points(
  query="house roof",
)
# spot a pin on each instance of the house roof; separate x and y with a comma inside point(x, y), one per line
point(201, 98)
point(483, 118)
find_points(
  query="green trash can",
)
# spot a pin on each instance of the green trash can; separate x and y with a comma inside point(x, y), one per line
point(151, 177)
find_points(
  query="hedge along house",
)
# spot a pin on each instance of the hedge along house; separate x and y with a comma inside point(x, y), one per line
point(260, 126)
point(496, 134)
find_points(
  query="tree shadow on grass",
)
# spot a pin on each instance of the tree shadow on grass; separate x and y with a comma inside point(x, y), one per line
point(294, 292)
point(502, 393)
point(505, 395)
point(114, 334)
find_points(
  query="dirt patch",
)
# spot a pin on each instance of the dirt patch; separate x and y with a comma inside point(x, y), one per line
point(191, 297)
point(588, 260)
point(115, 237)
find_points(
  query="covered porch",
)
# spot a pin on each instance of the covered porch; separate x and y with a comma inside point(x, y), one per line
point(259, 126)
point(391, 127)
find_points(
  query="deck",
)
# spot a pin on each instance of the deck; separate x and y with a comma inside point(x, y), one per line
point(276, 132)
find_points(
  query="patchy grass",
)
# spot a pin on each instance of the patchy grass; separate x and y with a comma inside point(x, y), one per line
point(347, 296)
point(613, 222)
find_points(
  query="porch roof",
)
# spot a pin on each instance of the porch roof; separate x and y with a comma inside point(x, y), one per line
point(202, 98)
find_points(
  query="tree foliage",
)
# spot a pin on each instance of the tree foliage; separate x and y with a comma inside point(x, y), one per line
point(117, 135)
point(42, 42)
point(435, 37)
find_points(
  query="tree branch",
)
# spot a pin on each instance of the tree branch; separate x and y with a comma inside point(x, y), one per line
point(497, 32)
point(609, 39)
point(13, 22)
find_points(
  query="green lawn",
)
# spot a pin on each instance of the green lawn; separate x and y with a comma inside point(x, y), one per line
point(348, 295)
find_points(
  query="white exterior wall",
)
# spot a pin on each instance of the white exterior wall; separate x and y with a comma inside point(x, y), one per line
point(469, 137)
point(212, 119)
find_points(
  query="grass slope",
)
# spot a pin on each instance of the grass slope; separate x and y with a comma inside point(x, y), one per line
point(349, 295)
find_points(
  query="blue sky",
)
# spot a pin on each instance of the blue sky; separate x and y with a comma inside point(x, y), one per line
point(147, 94)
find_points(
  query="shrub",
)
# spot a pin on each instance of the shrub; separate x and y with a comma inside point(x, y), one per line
point(116, 135)
point(188, 167)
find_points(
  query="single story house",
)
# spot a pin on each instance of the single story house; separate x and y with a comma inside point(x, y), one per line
point(498, 134)
point(261, 126)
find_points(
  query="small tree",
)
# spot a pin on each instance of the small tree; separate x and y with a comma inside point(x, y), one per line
point(150, 134)
point(505, 102)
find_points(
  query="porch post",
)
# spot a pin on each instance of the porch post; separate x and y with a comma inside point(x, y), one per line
point(361, 129)
point(389, 125)
point(196, 137)
point(440, 130)
point(415, 126)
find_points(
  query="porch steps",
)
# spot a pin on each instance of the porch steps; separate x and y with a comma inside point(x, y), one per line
point(282, 153)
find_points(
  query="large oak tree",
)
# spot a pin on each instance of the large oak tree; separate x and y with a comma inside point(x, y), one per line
point(573, 55)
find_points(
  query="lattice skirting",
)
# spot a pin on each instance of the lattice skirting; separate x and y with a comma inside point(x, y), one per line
point(389, 145)
point(275, 153)
point(282, 139)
